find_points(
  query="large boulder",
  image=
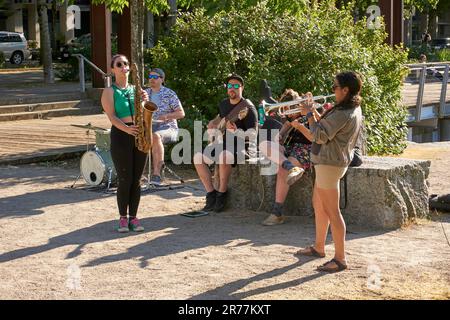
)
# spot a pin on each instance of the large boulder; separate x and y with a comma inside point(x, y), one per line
point(382, 193)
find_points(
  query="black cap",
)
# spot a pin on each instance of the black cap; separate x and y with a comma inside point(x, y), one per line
point(235, 77)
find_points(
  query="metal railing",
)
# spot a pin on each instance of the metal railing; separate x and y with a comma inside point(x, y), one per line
point(107, 77)
point(432, 68)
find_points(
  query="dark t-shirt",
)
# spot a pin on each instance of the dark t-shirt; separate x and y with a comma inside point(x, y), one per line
point(249, 122)
point(296, 136)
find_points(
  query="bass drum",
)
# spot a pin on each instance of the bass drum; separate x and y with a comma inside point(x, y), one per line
point(96, 167)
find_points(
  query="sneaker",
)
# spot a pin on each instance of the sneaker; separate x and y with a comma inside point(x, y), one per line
point(221, 198)
point(272, 220)
point(210, 201)
point(294, 175)
point(135, 225)
point(156, 180)
point(123, 225)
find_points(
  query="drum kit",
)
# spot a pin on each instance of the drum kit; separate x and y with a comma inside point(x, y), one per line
point(96, 165)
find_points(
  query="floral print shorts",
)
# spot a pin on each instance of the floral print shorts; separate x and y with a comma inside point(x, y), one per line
point(299, 151)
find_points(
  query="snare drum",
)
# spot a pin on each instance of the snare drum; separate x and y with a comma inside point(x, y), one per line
point(96, 167)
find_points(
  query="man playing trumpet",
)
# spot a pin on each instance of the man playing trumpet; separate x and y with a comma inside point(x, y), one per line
point(239, 141)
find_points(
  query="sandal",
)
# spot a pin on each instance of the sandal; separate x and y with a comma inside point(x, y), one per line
point(311, 253)
point(340, 266)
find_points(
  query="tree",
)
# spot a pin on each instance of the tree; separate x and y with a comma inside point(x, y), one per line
point(46, 50)
point(427, 7)
point(302, 52)
point(137, 12)
point(276, 6)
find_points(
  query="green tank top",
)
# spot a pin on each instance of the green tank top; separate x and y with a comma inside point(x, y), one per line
point(123, 101)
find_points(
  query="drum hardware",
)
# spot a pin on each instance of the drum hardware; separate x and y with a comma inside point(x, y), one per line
point(148, 186)
point(96, 165)
point(88, 126)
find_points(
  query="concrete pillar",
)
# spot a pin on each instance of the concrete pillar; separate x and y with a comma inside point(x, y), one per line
point(149, 30)
point(101, 42)
point(444, 127)
point(14, 21)
point(434, 26)
point(392, 11)
point(423, 23)
point(69, 34)
point(33, 25)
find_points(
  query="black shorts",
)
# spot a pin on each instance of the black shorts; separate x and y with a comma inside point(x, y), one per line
point(213, 150)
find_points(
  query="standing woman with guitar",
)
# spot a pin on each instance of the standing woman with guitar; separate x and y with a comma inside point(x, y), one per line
point(229, 154)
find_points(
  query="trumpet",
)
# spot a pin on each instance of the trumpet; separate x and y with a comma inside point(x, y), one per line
point(284, 108)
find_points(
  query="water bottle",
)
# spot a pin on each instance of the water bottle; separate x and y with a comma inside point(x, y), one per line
point(261, 115)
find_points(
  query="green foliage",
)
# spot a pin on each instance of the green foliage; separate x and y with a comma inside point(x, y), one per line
point(155, 6)
point(433, 55)
point(212, 7)
point(443, 55)
point(422, 5)
point(303, 52)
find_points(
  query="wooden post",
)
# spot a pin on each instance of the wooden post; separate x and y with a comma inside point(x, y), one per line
point(124, 33)
point(392, 10)
point(101, 42)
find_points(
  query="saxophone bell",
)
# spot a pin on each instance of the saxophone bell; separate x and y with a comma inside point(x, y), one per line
point(148, 108)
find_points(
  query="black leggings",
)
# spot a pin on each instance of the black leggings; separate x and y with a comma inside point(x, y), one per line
point(129, 163)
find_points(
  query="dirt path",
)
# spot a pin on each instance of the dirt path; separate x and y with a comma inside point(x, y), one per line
point(58, 243)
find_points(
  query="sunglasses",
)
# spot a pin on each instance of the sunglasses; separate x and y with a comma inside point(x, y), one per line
point(154, 76)
point(121, 63)
point(233, 86)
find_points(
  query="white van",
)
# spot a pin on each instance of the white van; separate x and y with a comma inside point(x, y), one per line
point(14, 47)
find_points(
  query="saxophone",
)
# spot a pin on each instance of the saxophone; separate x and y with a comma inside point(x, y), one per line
point(143, 114)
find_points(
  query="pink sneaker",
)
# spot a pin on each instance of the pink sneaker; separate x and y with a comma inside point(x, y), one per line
point(123, 225)
point(135, 225)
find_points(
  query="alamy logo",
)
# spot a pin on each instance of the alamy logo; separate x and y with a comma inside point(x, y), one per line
point(73, 281)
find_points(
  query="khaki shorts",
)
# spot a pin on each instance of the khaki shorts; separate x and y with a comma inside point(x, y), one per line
point(327, 177)
point(168, 135)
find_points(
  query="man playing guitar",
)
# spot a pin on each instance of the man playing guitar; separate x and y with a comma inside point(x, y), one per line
point(239, 117)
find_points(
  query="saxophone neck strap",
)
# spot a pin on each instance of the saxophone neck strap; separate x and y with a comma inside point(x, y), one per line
point(129, 106)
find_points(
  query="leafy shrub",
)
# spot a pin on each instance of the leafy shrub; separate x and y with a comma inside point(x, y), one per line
point(443, 55)
point(303, 52)
point(433, 55)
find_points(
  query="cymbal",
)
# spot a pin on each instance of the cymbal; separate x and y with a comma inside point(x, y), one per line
point(88, 126)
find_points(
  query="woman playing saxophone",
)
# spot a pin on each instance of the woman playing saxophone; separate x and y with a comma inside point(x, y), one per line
point(118, 104)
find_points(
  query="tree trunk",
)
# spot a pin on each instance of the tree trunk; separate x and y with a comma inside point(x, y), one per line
point(54, 35)
point(46, 50)
point(137, 10)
